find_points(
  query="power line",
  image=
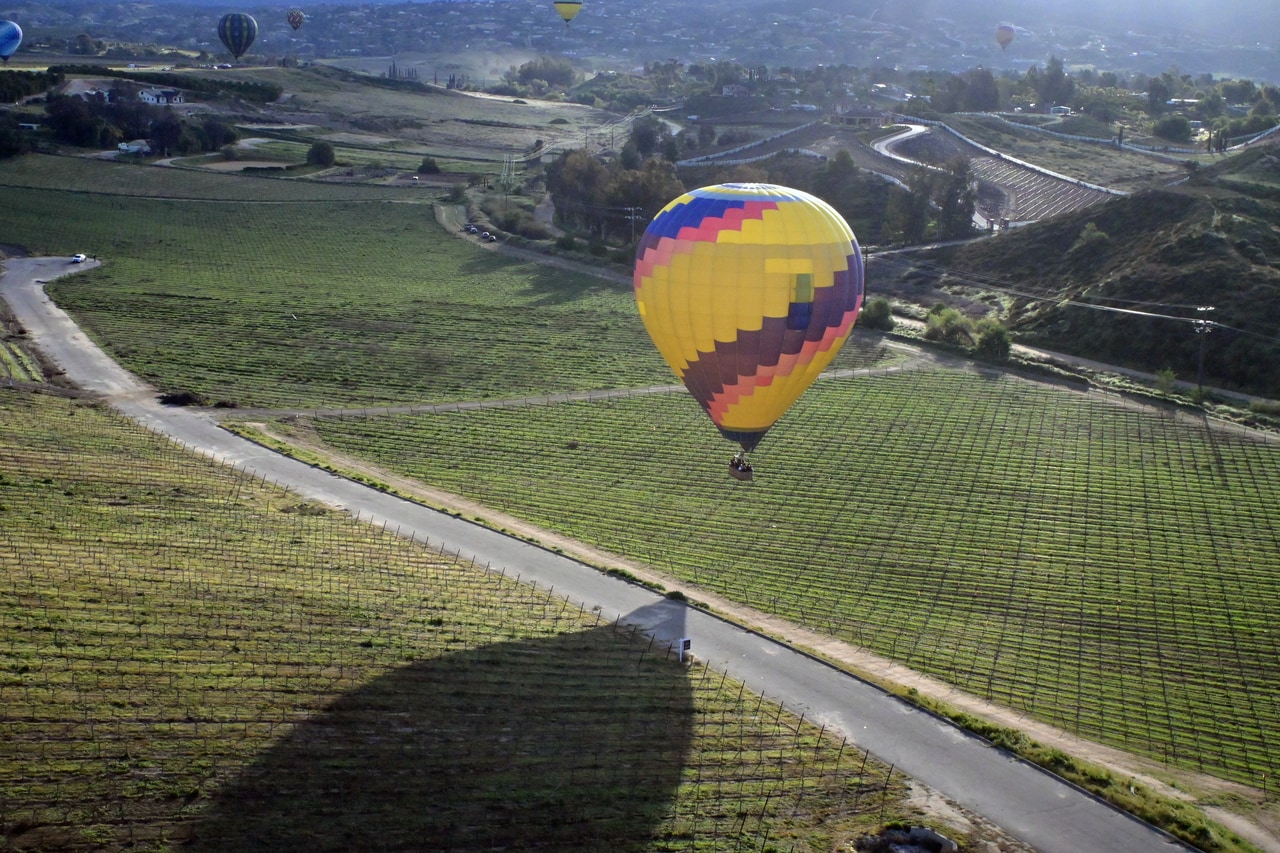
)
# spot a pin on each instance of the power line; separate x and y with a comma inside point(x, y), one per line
point(984, 282)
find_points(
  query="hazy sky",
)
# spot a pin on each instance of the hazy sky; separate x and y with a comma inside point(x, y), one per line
point(1222, 21)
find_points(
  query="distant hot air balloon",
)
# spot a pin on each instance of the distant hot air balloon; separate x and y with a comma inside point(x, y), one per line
point(748, 291)
point(10, 38)
point(568, 9)
point(296, 18)
point(237, 32)
point(1004, 35)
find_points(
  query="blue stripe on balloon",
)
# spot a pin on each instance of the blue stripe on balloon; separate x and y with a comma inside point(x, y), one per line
point(691, 213)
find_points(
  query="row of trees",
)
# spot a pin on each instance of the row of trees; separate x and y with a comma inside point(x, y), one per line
point(1170, 101)
point(102, 124)
point(613, 199)
point(16, 85)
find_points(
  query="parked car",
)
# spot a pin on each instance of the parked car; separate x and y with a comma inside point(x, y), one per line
point(492, 238)
point(78, 258)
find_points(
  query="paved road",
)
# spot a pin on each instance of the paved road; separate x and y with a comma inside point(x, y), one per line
point(1027, 803)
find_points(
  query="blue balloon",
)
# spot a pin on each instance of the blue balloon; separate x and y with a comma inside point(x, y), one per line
point(10, 38)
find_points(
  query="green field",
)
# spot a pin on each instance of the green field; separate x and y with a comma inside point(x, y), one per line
point(341, 298)
point(192, 659)
point(1109, 569)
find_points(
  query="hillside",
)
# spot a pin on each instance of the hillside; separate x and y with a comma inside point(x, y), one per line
point(1211, 242)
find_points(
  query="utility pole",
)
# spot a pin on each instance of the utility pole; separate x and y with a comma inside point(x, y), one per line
point(1203, 327)
point(633, 213)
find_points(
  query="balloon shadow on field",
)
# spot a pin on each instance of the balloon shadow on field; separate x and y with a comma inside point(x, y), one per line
point(547, 284)
point(569, 742)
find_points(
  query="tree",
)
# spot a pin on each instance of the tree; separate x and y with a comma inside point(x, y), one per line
point(1158, 95)
point(429, 166)
point(1175, 128)
point(166, 136)
point(13, 141)
point(956, 202)
point(630, 157)
point(320, 154)
point(948, 325)
point(577, 183)
point(646, 133)
point(877, 314)
point(706, 135)
point(1054, 86)
point(993, 341)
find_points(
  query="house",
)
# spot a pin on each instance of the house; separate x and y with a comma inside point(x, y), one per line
point(137, 146)
point(859, 116)
point(161, 97)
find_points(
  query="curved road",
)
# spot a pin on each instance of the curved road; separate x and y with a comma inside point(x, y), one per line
point(1031, 805)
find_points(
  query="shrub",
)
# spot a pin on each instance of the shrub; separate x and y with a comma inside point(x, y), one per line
point(429, 166)
point(877, 314)
point(182, 398)
point(1090, 235)
point(993, 341)
point(948, 326)
point(320, 154)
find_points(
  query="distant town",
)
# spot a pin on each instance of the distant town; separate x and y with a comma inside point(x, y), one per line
point(617, 36)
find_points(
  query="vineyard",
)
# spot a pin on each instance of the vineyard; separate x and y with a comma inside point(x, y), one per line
point(185, 647)
point(1106, 568)
point(351, 302)
point(191, 657)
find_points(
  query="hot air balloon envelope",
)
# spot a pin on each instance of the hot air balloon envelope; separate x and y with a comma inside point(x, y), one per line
point(296, 18)
point(237, 32)
point(568, 9)
point(748, 291)
point(1004, 35)
point(10, 38)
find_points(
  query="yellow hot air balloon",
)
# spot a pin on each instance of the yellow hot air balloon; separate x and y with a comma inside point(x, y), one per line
point(568, 9)
point(748, 291)
point(1004, 35)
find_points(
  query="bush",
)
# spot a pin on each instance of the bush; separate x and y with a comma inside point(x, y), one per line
point(1090, 236)
point(877, 314)
point(429, 166)
point(182, 398)
point(948, 326)
point(320, 154)
point(993, 341)
point(566, 242)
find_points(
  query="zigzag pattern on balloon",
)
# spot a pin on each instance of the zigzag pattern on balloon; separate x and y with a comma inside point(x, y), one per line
point(672, 233)
point(748, 291)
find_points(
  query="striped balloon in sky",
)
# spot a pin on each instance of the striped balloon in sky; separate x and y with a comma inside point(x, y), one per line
point(237, 32)
point(748, 291)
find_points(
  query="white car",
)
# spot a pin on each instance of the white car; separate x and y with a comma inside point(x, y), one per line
point(78, 258)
